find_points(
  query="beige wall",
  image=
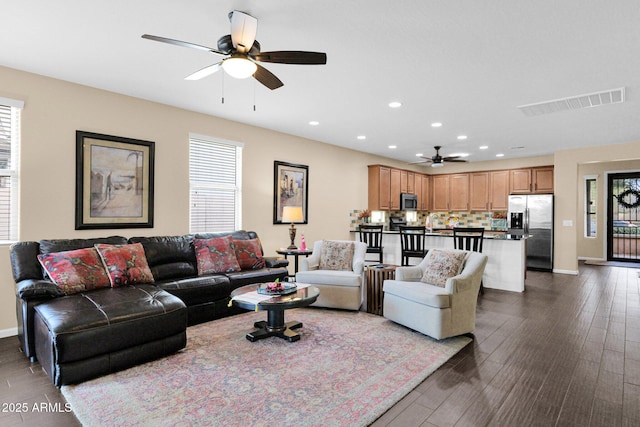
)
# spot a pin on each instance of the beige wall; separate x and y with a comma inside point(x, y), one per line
point(595, 247)
point(54, 110)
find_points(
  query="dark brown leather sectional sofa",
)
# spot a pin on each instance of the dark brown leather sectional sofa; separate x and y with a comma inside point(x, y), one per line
point(82, 336)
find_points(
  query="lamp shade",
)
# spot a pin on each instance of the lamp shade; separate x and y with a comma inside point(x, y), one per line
point(239, 67)
point(292, 214)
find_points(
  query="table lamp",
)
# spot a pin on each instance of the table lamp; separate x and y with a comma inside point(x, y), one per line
point(292, 214)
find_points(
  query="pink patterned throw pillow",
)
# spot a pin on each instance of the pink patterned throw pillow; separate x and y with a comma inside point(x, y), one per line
point(336, 255)
point(125, 264)
point(75, 271)
point(249, 254)
point(215, 255)
point(442, 264)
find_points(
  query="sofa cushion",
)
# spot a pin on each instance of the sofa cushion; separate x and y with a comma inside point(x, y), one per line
point(75, 271)
point(441, 265)
point(169, 257)
point(249, 254)
point(329, 277)
point(336, 255)
point(125, 264)
point(215, 255)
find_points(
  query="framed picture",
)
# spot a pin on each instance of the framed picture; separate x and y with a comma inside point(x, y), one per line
point(290, 188)
point(114, 182)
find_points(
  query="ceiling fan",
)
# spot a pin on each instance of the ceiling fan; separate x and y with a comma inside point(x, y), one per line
point(243, 51)
point(438, 160)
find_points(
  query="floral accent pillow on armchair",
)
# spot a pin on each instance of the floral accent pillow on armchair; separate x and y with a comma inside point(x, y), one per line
point(336, 255)
point(441, 265)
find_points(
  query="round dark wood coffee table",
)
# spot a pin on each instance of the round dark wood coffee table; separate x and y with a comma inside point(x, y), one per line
point(275, 307)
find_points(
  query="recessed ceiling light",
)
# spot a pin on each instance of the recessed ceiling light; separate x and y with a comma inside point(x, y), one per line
point(395, 104)
point(459, 155)
point(461, 137)
point(419, 155)
point(314, 123)
point(393, 146)
point(361, 137)
point(500, 155)
point(483, 147)
point(436, 125)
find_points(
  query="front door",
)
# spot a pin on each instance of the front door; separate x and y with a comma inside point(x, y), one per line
point(623, 217)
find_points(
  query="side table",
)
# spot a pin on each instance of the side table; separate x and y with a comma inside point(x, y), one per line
point(295, 253)
point(376, 275)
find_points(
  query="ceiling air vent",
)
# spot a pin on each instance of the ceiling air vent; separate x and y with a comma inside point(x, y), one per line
point(596, 99)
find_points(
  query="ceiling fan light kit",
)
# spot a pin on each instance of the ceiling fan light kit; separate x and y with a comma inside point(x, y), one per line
point(244, 50)
point(239, 67)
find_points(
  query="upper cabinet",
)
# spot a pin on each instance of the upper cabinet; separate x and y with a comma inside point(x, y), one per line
point(476, 191)
point(489, 191)
point(531, 180)
point(450, 192)
point(379, 188)
point(396, 179)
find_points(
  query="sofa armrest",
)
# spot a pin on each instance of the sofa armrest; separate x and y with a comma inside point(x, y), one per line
point(274, 262)
point(409, 274)
point(35, 288)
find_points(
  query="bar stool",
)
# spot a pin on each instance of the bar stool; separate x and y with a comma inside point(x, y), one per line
point(412, 242)
point(469, 239)
point(372, 236)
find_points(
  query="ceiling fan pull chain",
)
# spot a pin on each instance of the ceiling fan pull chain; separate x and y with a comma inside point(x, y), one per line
point(222, 88)
point(254, 95)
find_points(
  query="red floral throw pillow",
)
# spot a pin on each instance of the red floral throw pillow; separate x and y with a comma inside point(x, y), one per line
point(75, 271)
point(215, 255)
point(125, 264)
point(249, 254)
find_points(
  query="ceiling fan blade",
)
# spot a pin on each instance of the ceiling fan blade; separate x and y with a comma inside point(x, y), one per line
point(293, 57)
point(243, 30)
point(453, 160)
point(204, 72)
point(421, 162)
point(180, 43)
point(267, 78)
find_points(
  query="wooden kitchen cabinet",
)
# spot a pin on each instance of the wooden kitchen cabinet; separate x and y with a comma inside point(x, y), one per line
point(531, 180)
point(440, 192)
point(459, 192)
point(395, 189)
point(422, 191)
point(542, 179)
point(479, 191)
point(520, 181)
point(499, 190)
point(379, 187)
point(489, 191)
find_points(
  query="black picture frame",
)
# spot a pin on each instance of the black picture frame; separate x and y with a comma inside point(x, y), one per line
point(114, 182)
point(290, 188)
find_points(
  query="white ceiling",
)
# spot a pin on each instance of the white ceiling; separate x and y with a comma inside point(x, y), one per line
point(466, 63)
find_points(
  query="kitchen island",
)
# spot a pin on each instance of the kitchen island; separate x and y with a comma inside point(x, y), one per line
point(506, 264)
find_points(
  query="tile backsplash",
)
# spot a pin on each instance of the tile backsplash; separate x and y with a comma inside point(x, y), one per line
point(437, 219)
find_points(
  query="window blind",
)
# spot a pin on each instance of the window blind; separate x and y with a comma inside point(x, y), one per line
point(215, 185)
point(9, 140)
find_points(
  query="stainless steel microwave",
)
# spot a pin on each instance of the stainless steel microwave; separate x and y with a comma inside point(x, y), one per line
point(408, 202)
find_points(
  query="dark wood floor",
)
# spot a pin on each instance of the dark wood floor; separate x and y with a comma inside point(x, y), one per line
point(566, 352)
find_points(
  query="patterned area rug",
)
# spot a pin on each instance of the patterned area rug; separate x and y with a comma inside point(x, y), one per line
point(347, 369)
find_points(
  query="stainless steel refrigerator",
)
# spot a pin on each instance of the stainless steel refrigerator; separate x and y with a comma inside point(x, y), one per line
point(537, 225)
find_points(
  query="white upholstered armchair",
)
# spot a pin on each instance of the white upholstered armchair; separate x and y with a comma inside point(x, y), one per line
point(438, 311)
point(336, 267)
